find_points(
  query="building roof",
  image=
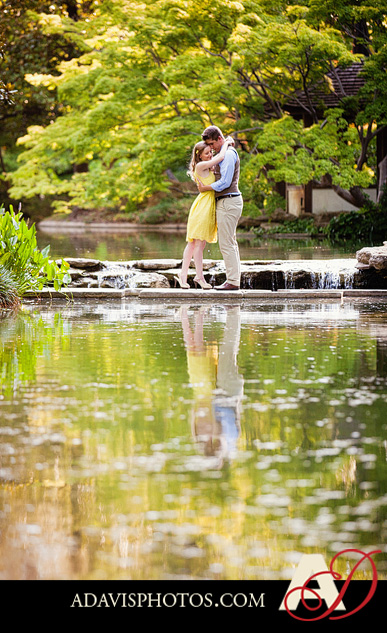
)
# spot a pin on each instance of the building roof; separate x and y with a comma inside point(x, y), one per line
point(340, 83)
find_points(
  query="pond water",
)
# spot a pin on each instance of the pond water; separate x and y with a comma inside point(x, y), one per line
point(176, 441)
point(131, 245)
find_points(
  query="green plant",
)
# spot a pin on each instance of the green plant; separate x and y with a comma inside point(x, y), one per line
point(298, 225)
point(368, 223)
point(166, 210)
point(251, 210)
point(29, 268)
point(9, 297)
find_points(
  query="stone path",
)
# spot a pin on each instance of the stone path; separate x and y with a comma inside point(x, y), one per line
point(165, 294)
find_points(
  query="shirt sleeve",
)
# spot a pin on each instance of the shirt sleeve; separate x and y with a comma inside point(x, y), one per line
point(227, 167)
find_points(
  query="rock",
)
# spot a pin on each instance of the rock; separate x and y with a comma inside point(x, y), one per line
point(75, 273)
point(135, 280)
point(361, 266)
point(369, 277)
point(151, 280)
point(373, 256)
point(363, 256)
point(85, 282)
point(84, 264)
point(165, 264)
point(261, 262)
point(156, 264)
point(263, 280)
point(255, 275)
point(378, 261)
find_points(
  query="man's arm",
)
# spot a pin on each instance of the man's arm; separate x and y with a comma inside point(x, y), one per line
point(227, 167)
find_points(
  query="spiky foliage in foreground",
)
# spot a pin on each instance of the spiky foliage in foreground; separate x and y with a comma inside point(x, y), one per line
point(23, 267)
point(9, 295)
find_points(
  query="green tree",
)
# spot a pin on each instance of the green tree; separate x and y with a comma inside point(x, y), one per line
point(25, 48)
point(136, 102)
point(153, 74)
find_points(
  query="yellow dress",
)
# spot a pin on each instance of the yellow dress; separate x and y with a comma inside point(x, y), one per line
point(201, 223)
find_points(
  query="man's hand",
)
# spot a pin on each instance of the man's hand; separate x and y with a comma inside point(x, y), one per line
point(202, 188)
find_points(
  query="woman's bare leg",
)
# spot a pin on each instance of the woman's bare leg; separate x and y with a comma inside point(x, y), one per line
point(198, 257)
point(187, 256)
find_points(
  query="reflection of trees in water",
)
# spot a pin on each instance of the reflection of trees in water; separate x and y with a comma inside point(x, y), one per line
point(125, 245)
point(373, 318)
point(379, 331)
point(23, 338)
point(109, 245)
point(102, 512)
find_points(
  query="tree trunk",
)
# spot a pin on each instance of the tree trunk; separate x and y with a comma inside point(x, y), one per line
point(354, 196)
point(2, 166)
point(72, 9)
point(382, 176)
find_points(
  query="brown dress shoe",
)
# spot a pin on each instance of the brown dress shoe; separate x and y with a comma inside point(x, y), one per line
point(226, 286)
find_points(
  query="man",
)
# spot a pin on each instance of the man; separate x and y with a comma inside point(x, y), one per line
point(229, 205)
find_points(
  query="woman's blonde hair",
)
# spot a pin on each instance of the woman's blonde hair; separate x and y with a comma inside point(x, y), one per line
point(195, 158)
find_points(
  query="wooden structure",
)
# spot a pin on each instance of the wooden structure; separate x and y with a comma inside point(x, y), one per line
point(309, 107)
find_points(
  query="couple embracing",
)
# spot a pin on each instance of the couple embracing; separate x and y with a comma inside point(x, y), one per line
point(216, 210)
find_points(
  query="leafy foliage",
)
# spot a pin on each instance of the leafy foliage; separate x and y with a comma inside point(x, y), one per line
point(27, 48)
point(296, 225)
point(23, 266)
point(368, 223)
point(9, 296)
point(146, 78)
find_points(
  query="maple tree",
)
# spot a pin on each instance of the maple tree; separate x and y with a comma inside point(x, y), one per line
point(147, 77)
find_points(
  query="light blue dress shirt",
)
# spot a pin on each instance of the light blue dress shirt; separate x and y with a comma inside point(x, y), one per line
point(227, 167)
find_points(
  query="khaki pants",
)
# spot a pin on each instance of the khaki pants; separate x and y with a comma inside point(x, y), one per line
point(228, 212)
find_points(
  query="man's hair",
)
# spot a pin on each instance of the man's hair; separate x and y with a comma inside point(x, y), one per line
point(211, 133)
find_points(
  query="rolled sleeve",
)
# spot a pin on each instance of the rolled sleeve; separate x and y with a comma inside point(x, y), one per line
point(227, 167)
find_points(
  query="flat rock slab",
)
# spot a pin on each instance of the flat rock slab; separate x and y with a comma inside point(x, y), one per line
point(81, 293)
point(155, 264)
point(168, 293)
point(165, 294)
point(83, 263)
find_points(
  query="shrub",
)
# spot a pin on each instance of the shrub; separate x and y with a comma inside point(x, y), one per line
point(28, 268)
point(9, 296)
point(296, 225)
point(251, 210)
point(368, 223)
point(167, 210)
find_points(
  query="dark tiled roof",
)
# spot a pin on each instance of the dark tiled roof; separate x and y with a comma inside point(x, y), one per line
point(343, 82)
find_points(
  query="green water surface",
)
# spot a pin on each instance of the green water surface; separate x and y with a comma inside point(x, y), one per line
point(168, 441)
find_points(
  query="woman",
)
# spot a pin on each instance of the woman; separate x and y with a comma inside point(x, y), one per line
point(201, 225)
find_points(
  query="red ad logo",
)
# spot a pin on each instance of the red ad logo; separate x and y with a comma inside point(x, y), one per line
point(312, 567)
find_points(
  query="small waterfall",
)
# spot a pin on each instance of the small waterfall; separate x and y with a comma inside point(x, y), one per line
point(289, 279)
point(128, 276)
point(118, 276)
point(334, 280)
point(275, 280)
point(312, 274)
point(341, 274)
point(319, 274)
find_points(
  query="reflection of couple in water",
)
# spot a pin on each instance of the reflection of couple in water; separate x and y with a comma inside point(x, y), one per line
point(216, 210)
point(216, 383)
